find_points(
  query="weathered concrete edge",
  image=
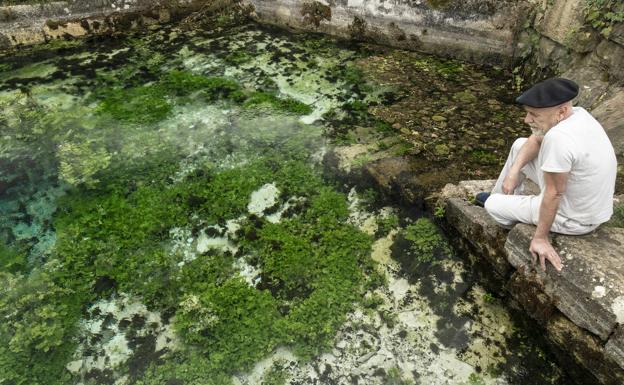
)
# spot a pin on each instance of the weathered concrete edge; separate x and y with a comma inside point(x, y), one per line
point(488, 40)
point(30, 24)
point(598, 348)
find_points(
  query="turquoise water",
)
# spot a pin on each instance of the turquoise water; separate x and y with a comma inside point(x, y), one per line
point(167, 218)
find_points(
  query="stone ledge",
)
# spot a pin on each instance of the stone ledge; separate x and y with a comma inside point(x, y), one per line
point(581, 307)
point(484, 234)
point(591, 283)
point(585, 349)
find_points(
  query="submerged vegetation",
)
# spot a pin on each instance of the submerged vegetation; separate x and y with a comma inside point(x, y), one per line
point(315, 267)
point(426, 243)
point(132, 248)
point(151, 103)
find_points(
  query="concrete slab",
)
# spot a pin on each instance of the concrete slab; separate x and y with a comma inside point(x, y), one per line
point(590, 288)
point(485, 235)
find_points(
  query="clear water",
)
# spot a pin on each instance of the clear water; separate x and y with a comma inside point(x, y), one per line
point(166, 218)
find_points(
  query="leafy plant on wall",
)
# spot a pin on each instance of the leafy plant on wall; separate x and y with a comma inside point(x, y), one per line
point(604, 15)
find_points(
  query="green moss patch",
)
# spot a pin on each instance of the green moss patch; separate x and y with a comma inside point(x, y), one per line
point(144, 104)
point(266, 99)
point(154, 102)
point(116, 239)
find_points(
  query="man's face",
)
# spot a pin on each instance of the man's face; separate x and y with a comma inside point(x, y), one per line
point(541, 119)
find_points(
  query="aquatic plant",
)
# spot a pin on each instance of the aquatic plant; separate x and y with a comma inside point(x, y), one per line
point(395, 377)
point(484, 157)
point(276, 374)
point(475, 379)
point(12, 260)
point(144, 104)
point(183, 83)
point(39, 317)
point(80, 161)
point(113, 238)
point(261, 98)
point(427, 244)
point(386, 224)
point(233, 323)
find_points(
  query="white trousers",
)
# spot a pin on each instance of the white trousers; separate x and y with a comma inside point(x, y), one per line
point(511, 209)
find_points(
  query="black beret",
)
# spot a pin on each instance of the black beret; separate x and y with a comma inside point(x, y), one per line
point(549, 93)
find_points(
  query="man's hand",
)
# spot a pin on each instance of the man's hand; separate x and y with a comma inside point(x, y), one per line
point(542, 248)
point(511, 181)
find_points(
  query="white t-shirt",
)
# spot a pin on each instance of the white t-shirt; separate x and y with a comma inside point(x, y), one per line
point(580, 146)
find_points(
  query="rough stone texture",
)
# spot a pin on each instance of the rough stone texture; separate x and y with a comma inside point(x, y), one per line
point(487, 237)
point(32, 24)
point(563, 23)
point(591, 282)
point(477, 30)
point(610, 113)
point(617, 34)
point(615, 347)
point(586, 350)
point(612, 55)
point(528, 291)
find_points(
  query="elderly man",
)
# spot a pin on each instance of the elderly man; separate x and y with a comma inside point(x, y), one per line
point(570, 158)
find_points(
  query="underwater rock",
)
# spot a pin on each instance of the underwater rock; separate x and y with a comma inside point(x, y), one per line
point(396, 177)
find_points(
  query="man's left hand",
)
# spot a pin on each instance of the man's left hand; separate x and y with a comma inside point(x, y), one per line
point(543, 249)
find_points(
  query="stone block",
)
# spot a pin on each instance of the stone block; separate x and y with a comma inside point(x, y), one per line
point(612, 56)
point(528, 292)
point(472, 30)
point(72, 28)
point(585, 349)
point(563, 22)
point(592, 79)
point(590, 288)
point(617, 34)
point(615, 347)
point(610, 113)
point(476, 226)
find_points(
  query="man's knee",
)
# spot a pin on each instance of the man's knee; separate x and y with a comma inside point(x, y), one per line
point(495, 206)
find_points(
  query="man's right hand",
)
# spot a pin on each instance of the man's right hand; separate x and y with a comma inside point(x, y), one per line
point(511, 181)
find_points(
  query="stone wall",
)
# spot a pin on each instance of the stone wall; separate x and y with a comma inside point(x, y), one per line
point(581, 308)
point(32, 24)
point(482, 31)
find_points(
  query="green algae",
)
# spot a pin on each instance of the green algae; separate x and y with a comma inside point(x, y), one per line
point(12, 260)
point(145, 104)
point(153, 102)
point(426, 243)
point(115, 226)
point(261, 98)
point(313, 267)
point(39, 318)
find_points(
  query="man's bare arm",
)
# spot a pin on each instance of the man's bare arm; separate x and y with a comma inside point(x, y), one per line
point(555, 186)
point(528, 152)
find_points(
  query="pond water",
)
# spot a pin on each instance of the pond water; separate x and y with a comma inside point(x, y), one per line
point(166, 216)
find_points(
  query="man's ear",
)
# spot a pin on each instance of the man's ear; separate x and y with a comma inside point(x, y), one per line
point(563, 111)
